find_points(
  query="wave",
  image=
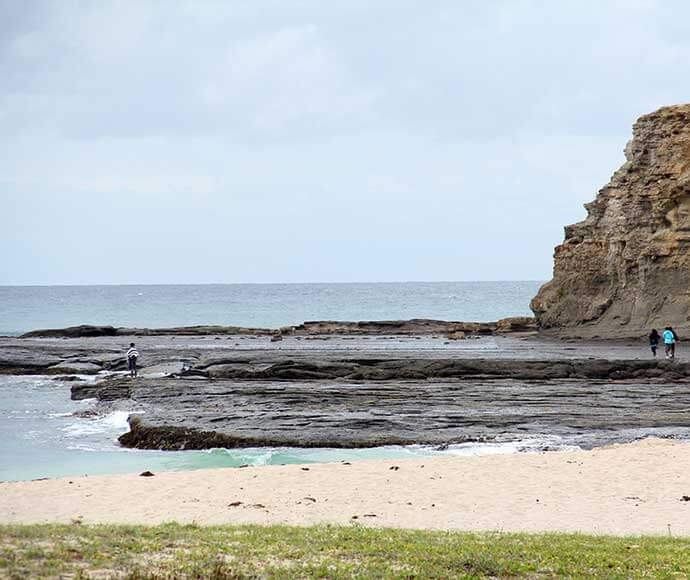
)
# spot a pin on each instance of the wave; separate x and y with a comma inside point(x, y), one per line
point(114, 423)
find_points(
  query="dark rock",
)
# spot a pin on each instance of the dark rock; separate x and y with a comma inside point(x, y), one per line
point(83, 330)
point(311, 328)
point(200, 414)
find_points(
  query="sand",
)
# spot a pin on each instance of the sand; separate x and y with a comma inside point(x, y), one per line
point(622, 490)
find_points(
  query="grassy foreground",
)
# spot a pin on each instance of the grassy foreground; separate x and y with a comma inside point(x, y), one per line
point(328, 551)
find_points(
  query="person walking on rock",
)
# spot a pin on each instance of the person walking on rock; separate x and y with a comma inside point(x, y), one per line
point(654, 341)
point(132, 356)
point(669, 342)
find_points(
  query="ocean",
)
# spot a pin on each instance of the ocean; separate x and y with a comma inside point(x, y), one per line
point(24, 308)
point(45, 434)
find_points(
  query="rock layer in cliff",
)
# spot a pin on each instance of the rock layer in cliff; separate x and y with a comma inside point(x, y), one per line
point(626, 267)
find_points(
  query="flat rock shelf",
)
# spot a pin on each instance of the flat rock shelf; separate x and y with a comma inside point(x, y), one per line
point(203, 414)
point(356, 391)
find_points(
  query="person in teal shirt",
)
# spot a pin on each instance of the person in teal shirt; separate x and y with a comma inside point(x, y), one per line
point(669, 342)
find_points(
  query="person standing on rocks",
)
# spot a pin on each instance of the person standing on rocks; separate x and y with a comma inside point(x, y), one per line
point(669, 342)
point(132, 356)
point(654, 341)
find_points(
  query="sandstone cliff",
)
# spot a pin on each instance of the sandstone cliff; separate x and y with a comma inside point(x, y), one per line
point(626, 267)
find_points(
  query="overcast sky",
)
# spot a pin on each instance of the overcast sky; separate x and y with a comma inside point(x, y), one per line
point(306, 141)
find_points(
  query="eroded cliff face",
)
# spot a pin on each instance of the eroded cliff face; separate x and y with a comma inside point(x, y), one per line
point(626, 267)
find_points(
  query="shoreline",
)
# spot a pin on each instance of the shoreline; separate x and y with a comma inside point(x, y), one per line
point(622, 489)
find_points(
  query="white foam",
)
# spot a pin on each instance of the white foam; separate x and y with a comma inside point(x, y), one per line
point(114, 423)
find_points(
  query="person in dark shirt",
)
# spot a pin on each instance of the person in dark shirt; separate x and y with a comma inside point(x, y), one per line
point(654, 341)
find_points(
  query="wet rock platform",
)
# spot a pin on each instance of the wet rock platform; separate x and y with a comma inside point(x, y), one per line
point(201, 392)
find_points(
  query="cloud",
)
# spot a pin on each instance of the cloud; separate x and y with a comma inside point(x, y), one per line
point(297, 135)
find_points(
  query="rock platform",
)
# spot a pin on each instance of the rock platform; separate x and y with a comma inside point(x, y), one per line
point(365, 390)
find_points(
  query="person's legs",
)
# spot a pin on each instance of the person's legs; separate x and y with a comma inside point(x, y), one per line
point(667, 350)
point(654, 351)
point(673, 350)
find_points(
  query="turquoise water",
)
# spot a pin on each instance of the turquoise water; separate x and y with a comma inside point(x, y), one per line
point(45, 434)
point(24, 308)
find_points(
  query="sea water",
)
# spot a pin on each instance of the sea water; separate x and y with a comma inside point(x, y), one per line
point(24, 308)
point(43, 433)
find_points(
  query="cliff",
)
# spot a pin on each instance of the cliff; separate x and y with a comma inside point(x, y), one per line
point(626, 267)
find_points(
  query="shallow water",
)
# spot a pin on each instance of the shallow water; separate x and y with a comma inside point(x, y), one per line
point(45, 434)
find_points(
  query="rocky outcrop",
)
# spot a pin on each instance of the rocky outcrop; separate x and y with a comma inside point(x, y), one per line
point(81, 331)
point(392, 369)
point(203, 414)
point(416, 326)
point(89, 331)
point(626, 267)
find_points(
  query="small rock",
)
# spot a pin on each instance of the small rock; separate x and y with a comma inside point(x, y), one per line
point(393, 468)
point(685, 498)
point(235, 504)
point(305, 469)
point(310, 499)
point(146, 474)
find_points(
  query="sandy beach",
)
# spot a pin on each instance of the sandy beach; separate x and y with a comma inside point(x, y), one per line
point(623, 489)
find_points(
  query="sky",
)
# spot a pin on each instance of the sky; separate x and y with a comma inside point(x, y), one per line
point(311, 141)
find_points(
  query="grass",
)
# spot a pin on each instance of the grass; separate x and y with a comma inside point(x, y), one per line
point(223, 552)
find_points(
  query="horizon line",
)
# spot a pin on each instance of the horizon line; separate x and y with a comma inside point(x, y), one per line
point(116, 284)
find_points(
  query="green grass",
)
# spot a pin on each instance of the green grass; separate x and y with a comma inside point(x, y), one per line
point(176, 551)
